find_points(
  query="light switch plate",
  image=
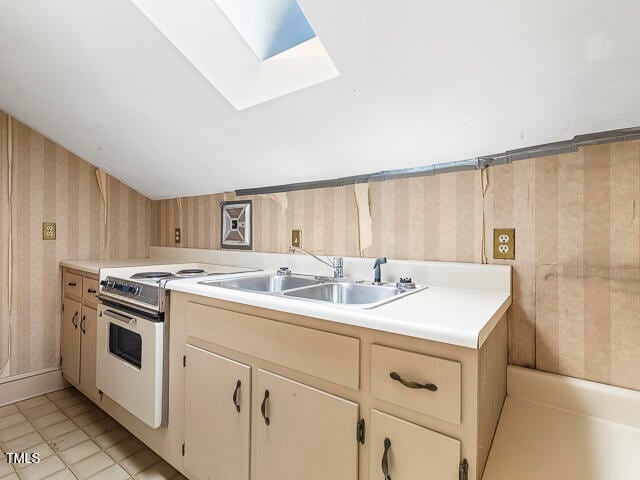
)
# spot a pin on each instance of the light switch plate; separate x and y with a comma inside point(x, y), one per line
point(296, 238)
point(48, 231)
point(504, 243)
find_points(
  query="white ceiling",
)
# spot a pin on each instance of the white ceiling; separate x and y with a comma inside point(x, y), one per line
point(421, 82)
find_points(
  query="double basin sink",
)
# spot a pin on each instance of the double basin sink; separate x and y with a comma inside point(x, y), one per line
point(318, 289)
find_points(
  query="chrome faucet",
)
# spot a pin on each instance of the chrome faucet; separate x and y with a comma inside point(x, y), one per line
point(377, 276)
point(336, 262)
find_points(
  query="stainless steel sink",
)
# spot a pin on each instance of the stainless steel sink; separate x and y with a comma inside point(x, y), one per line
point(317, 289)
point(266, 283)
point(347, 293)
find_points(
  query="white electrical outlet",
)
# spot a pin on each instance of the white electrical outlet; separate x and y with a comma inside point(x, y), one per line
point(503, 248)
point(504, 238)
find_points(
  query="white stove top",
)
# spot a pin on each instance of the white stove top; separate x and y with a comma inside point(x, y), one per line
point(207, 269)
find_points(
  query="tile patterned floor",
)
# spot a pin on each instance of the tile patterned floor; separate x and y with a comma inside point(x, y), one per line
point(75, 440)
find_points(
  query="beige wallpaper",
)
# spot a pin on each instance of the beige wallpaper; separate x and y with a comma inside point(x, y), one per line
point(576, 304)
point(51, 184)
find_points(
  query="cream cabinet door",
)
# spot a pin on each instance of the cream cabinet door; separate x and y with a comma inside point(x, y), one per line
point(217, 416)
point(88, 335)
point(302, 433)
point(70, 347)
point(403, 450)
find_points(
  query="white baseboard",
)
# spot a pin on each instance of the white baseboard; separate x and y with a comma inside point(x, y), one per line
point(615, 404)
point(21, 387)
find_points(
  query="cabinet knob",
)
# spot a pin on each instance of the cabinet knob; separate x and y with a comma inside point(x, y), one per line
point(263, 407)
point(385, 459)
point(91, 290)
point(74, 320)
point(236, 403)
point(411, 384)
point(82, 322)
point(72, 284)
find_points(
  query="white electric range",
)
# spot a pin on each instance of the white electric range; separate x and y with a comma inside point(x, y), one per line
point(133, 345)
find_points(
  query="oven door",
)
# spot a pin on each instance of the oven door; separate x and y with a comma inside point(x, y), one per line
point(129, 362)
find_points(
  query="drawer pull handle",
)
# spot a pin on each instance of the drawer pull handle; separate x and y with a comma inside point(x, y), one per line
point(263, 408)
point(385, 459)
point(235, 396)
point(411, 384)
point(72, 284)
point(74, 320)
point(84, 318)
point(91, 290)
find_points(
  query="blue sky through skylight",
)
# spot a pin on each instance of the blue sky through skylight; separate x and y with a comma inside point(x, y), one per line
point(269, 27)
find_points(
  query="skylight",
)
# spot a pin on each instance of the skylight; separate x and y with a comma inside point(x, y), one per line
point(269, 27)
point(252, 51)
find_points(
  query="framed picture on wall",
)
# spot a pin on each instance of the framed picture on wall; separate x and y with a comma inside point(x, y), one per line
point(237, 226)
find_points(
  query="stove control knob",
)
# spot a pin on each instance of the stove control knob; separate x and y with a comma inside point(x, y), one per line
point(104, 283)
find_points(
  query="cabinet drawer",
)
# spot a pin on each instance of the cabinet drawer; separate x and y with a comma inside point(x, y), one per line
point(325, 355)
point(412, 451)
point(443, 403)
point(89, 290)
point(72, 284)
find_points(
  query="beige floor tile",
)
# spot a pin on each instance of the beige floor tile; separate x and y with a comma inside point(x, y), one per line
point(125, 449)
point(114, 472)
point(159, 471)
point(5, 468)
point(140, 461)
point(92, 465)
point(49, 419)
point(11, 476)
point(32, 402)
point(70, 400)
point(24, 442)
point(8, 410)
point(62, 475)
point(15, 431)
point(11, 420)
point(43, 450)
point(68, 440)
point(40, 410)
point(46, 467)
point(79, 452)
point(88, 417)
point(65, 392)
point(101, 426)
point(58, 429)
point(110, 438)
point(75, 410)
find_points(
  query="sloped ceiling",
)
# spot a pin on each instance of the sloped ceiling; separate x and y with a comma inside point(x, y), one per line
point(421, 82)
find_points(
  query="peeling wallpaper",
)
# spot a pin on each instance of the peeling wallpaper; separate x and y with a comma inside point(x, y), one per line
point(53, 185)
point(576, 278)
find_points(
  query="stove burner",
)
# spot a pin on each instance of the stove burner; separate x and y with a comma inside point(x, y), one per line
point(190, 271)
point(151, 275)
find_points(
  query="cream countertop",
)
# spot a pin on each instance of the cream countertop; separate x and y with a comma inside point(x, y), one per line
point(453, 316)
point(461, 306)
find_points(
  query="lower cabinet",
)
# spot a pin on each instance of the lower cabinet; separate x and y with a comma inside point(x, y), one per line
point(403, 450)
point(299, 432)
point(217, 416)
point(302, 432)
point(70, 342)
point(88, 335)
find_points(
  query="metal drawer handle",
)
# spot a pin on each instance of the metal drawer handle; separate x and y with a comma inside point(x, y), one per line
point(411, 384)
point(263, 407)
point(84, 318)
point(91, 290)
point(385, 459)
point(235, 396)
point(72, 284)
point(74, 320)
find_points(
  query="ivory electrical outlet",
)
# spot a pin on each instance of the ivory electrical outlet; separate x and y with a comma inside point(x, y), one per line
point(504, 243)
point(296, 238)
point(48, 231)
point(177, 235)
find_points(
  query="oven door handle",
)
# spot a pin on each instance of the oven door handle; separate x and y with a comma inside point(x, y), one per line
point(128, 320)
